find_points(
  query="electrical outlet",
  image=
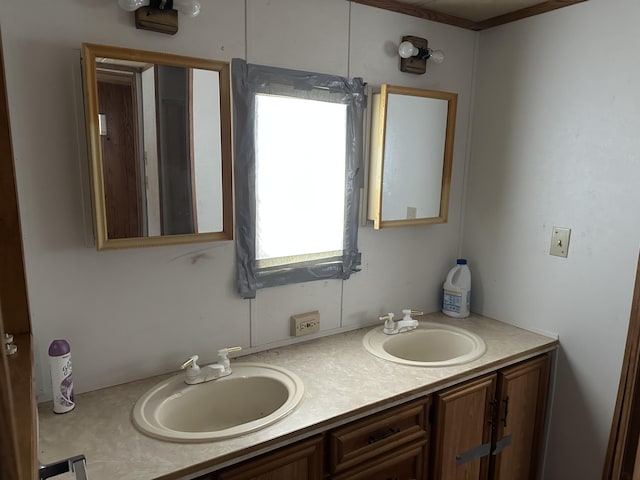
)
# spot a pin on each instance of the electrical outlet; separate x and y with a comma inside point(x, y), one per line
point(305, 323)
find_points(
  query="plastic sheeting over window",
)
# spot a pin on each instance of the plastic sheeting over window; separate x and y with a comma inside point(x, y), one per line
point(254, 85)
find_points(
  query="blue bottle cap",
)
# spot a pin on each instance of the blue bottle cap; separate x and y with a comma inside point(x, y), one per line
point(462, 261)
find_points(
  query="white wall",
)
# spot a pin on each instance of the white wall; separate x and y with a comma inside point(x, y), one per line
point(134, 313)
point(555, 142)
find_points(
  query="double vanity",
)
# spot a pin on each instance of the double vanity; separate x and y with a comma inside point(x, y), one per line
point(331, 407)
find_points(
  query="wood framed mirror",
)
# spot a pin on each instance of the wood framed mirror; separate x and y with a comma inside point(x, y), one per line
point(412, 133)
point(159, 136)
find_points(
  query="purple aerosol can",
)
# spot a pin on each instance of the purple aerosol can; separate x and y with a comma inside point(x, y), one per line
point(61, 379)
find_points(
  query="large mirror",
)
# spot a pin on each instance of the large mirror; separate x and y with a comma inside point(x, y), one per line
point(159, 130)
point(412, 132)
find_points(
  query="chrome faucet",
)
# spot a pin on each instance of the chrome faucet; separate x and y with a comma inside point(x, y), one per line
point(195, 374)
point(406, 324)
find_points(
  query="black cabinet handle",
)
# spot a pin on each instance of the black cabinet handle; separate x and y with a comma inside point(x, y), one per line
point(506, 411)
point(383, 435)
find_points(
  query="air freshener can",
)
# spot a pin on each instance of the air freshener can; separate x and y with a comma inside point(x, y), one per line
point(61, 378)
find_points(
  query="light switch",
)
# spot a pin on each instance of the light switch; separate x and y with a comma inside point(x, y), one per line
point(102, 124)
point(560, 241)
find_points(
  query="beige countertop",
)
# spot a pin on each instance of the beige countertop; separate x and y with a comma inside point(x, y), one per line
point(342, 381)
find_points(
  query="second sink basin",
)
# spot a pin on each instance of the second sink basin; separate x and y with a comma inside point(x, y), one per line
point(429, 345)
point(253, 396)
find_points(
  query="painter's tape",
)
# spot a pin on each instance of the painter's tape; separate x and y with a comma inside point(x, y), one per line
point(473, 454)
point(501, 444)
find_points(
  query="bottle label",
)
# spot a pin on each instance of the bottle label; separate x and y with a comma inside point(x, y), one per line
point(66, 392)
point(62, 382)
point(451, 300)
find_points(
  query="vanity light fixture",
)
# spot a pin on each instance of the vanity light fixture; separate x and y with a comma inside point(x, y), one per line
point(414, 53)
point(160, 15)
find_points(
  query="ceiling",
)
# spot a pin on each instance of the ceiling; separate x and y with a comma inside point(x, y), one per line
point(471, 14)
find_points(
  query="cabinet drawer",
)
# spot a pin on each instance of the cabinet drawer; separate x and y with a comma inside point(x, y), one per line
point(300, 461)
point(378, 434)
point(407, 463)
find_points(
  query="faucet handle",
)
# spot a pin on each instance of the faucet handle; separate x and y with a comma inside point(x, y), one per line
point(228, 350)
point(223, 357)
point(223, 354)
point(191, 362)
point(388, 317)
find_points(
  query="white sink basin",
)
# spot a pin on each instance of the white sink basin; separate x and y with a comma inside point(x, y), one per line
point(253, 396)
point(429, 345)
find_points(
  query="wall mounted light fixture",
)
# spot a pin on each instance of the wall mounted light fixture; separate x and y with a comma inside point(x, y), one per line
point(160, 15)
point(414, 53)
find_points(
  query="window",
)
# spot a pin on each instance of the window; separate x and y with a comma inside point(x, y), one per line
point(298, 139)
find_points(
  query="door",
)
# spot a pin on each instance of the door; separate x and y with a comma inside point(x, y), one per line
point(463, 430)
point(9, 461)
point(17, 402)
point(522, 400)
point(122, 178)
point(623, 454)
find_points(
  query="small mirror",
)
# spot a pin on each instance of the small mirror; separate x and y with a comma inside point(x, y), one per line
point(159, 132)
point(412, 133)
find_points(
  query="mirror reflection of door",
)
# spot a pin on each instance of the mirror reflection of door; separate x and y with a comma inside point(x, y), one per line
point(123, 178)
point(175, 150)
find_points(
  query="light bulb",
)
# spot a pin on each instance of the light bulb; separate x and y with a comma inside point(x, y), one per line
point(436, 55)
point(407, 50)
point(131, 5)
point(190, 8)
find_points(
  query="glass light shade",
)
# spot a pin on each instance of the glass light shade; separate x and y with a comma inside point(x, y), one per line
point(132, 5)
point(190, 8)
point(407, 50)
point(437, 56)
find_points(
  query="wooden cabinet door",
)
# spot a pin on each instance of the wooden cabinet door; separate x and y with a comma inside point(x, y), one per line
point(300, 461)
point(18, 438)
point(522, 397)
point(463, 430)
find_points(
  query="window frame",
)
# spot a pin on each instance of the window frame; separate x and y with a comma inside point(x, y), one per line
point(249, 80)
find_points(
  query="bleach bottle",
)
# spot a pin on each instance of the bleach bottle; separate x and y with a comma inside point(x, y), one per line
point(456, 291)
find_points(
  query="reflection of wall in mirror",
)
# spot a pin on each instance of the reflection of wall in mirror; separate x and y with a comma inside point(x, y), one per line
point(207, 150)
point(151, 152)
point(413, 157)
point(175, 163)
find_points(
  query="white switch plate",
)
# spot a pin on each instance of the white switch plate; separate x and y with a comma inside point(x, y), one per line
point(560, 241)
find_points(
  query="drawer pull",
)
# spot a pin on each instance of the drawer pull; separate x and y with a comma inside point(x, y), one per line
point(383, 435)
